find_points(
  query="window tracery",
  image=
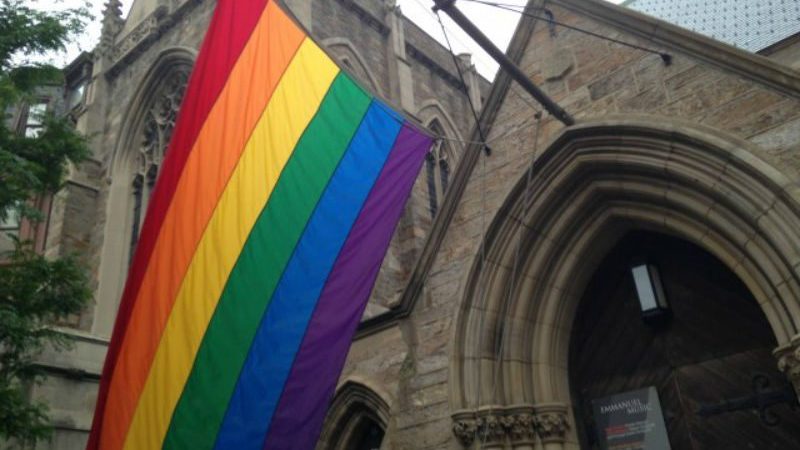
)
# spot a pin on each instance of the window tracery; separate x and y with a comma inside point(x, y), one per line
point(437, 168)
point(159, 121)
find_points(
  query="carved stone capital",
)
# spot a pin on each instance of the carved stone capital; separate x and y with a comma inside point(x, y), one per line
point(552, 422)
point(521, 424)
point(491, 426)
point(130, 47)
point(465, 427)
point(495, 426)
point(788, 356)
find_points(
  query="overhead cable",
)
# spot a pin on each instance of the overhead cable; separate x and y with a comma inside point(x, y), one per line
point(465, 87)
point(665, 57)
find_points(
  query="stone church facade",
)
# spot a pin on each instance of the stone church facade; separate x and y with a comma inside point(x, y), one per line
point(506, 305)
point(128, 94)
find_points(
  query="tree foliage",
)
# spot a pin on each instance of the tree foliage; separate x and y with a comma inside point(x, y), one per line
point(35, 292)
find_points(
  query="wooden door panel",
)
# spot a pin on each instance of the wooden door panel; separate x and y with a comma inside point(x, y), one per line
point(731, 377)
point(716, 341)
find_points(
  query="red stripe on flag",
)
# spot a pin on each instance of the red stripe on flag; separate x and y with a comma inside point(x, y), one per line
point(235, 19)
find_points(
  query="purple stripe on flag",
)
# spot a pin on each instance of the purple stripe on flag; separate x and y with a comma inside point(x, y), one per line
point(298, 418)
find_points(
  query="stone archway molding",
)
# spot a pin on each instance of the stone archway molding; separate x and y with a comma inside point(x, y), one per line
point(120, 171)
point(432, 109)
point(595, 182)
point(164, 64)
point(343, 48)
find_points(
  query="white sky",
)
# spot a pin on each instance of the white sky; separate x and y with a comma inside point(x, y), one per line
point(498, 24)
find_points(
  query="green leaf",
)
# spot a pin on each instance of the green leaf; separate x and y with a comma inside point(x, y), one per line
point(35, 292)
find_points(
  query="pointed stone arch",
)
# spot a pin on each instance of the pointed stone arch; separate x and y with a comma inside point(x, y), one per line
point(594, 183)
point(354, 406)
point(445, 154)
point(132, 170)
point(432, 109)
point(170, 63)
point(348, 55)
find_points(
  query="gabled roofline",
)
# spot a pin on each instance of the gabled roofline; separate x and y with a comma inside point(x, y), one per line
point(780, 45)
point(749, 65)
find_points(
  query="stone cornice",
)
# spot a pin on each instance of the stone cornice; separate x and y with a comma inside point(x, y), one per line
point(412, 50)
point(123, 53)
point(366, 17)
point(436, 68)
point(72, 373)
point(749, 65)
point(147, 32)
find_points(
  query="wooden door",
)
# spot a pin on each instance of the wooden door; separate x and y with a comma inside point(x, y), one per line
point(716, 347)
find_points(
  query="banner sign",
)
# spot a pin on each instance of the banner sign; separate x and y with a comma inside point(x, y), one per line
point(631, 421)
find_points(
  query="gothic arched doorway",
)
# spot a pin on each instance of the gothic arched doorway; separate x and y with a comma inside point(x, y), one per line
point(713, 345)
point(593, 185)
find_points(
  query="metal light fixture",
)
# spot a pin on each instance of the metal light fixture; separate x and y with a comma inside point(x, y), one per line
point(650, 292)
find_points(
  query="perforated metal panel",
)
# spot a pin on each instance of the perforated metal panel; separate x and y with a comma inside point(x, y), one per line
point(749, 24)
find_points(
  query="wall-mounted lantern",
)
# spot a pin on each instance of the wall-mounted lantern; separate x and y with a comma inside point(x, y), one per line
point(650, 292)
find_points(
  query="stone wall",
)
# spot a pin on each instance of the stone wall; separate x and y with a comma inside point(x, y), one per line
point(410, 361)
point(92, 213)
point(117, 82)
point(364, 30)
point(594, 80)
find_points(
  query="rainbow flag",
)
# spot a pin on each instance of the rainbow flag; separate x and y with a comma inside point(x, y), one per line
point(281, 189)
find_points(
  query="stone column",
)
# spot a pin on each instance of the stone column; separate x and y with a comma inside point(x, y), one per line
point(94, 122)
point(471, 79)
point(97, 90)
point(788, 356)
point(552, 424)
point(400, 79)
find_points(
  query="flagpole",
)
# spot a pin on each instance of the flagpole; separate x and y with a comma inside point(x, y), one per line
point(448, 6)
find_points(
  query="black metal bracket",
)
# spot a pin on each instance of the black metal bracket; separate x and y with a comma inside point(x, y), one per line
point(762, 399)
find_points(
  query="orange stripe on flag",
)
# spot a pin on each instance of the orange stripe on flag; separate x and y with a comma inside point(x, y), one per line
point(245, 96)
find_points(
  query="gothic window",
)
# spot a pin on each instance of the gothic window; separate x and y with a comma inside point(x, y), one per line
point(156, 131)
point(356, 420)
point(354, 64)
point(368, 436)
point(437, 168)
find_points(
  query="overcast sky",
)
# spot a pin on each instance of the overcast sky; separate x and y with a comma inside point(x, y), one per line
point(496, 23)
